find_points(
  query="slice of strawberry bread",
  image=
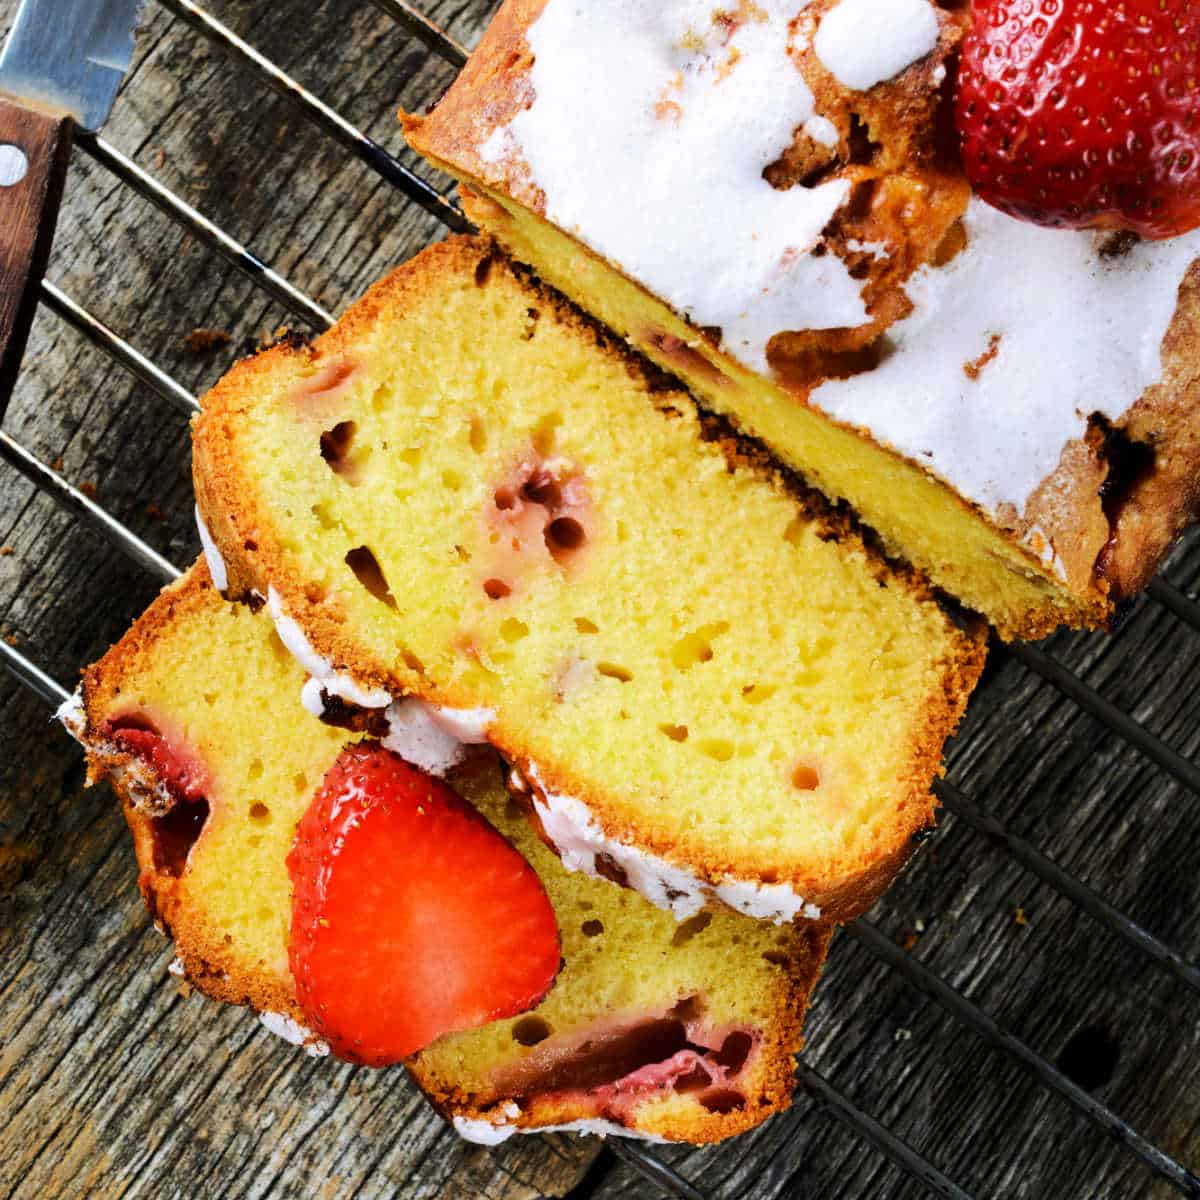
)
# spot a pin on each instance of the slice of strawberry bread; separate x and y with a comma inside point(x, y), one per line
point(708, 686)
point(651, 1028)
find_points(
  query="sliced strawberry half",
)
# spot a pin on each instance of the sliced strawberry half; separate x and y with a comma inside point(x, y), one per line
point(1084, 113)
point(411, 916)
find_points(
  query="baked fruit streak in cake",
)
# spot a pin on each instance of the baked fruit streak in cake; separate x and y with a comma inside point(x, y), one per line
point(650, 1028)
point(768, 201)
point(706, 686)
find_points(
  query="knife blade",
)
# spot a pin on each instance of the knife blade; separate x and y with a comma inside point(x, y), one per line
point(61, 66)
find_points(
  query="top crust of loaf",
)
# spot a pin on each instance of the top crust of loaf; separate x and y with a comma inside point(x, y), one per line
point(1109, 517)
point(243, 532)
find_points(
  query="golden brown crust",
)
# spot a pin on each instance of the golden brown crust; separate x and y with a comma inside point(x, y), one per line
point(255, 561)
point(1072, 535)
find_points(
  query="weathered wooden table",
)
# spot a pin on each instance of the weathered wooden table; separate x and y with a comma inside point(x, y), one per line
point(114, 1082)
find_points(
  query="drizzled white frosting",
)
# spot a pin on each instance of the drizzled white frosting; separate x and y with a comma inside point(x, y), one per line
point(72, 716)
point(432, 738)
point(212, 556)
point(1078, 333)
point(485, 1133)
point(863, 42)
point(580, 841)
point(283, 1026)
point(648, 134)
point(674, 196)
point(320, 668)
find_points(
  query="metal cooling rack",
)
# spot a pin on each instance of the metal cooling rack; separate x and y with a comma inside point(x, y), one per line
point(1187, 610)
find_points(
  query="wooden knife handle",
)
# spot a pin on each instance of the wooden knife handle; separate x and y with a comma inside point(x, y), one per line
point(34, 149)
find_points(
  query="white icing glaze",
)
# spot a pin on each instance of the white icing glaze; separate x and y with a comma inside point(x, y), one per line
point(319, 667)
point(863, 42)
point(212, 556)
point(822, 130)
point(468, 725)
point(681, 143)
point(175, 966)
point(1078, 333)
point(579, 840)
point(71, 715)
point(484, 1133)
point(283, 1026)
point(415, 735)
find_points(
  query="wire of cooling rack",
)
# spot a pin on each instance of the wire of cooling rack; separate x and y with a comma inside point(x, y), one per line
point(963, 807)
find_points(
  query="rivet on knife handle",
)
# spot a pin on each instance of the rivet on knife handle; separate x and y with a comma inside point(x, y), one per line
point(34, 149)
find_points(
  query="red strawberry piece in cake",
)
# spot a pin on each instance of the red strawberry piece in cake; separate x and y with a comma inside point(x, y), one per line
point(1084, 113)
point(411, 916)
point(178, 770)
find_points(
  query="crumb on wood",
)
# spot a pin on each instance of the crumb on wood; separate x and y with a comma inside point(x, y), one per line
point(155, 513)
point(903, 1035)
point(89, 490)
point(1020, 917)
point(185, 988)
point(160, 158)
point(6, 552)
point(201, 341)
point(12, 639)
point(909, 942)
point(57, 464)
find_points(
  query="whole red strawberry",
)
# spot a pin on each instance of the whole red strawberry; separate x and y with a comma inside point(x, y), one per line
point(411, 916)
point(1084, 113)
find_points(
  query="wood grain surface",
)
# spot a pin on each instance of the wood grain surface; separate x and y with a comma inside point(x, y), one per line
point(37, 147)
point(113, 1083)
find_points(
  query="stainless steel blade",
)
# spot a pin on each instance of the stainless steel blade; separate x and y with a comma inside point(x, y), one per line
point(70, 54)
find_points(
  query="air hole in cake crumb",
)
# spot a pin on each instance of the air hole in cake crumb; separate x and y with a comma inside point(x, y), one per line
point(256, 769)
point(451, 480)
point(512, 630)
point(411, 456)
point(690, 1008)
point(259, 812)
point(175, 833)
point(583, 625)
point(210, 698)
point(694, 1081)
point(528, 1031)
point(677, 733)
point(300, 783)
point(757, 693)
point(542, 488)
point(411, 661)
point(592, 928)
point(477, 435)
point(686, 930)
point(530, 327)
point(504, 499)
point(720, 749)
point(496, 589)
point(696, 647)
point(805, 778)
point(336, 444)
point(735, 1049)
point(564, 535)
point(777, 958)
point(794, 533)
point(369, 573)
point(724, 1100)
point(612, 671)
point(545, 434)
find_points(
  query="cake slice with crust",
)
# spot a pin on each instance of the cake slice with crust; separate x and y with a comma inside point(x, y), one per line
point(708, 687)
point(652, 1029)
point(767, 200)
